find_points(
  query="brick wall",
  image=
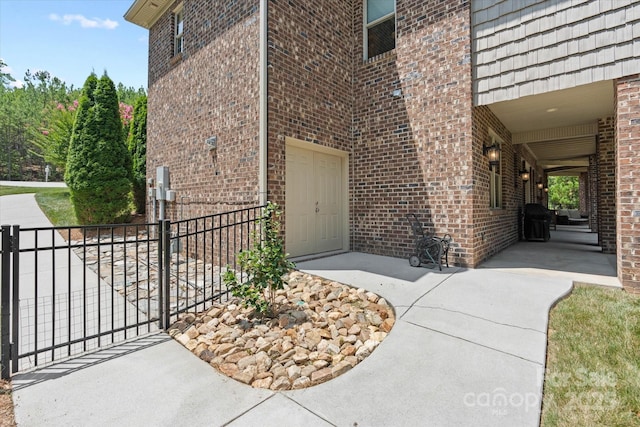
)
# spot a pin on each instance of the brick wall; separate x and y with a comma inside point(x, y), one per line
point(310, 67)
point(606, 152)
point(388, 174)
point(583, 188)
point(628, 180)
point(422, 151)
point(495, 229)
point(410, 151)
point(593, 193)
point(534, 172)
point(211, 90)
point(406, 118)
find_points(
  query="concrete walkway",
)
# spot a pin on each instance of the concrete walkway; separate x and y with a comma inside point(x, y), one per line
point(468, 348)
point(43, 275)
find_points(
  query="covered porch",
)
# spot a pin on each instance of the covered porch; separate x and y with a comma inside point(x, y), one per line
point(575, 132)
point(572, 252)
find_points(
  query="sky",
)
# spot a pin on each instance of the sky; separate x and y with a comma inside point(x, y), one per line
point(72, 38)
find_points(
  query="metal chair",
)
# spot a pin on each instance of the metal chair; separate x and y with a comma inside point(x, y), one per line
point(428, 248)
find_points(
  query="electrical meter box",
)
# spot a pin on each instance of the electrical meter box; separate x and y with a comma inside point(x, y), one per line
point(162, 182)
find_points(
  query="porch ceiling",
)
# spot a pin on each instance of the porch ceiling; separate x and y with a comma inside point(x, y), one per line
point(558, 128)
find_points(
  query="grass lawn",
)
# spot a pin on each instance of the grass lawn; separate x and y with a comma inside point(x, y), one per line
point(593, 360)
point(54, 202)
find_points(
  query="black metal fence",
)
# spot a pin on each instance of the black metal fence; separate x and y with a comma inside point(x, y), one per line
point(69, 290)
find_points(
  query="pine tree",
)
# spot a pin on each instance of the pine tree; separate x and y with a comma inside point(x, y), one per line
point(99, 165)
point(138, 149)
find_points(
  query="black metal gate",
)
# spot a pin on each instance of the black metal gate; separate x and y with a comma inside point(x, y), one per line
point(66, 291)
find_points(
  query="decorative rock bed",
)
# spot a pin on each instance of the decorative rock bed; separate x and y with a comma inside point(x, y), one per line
point(323, 329)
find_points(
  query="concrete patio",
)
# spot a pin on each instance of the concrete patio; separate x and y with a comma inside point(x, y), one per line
point(468, 348)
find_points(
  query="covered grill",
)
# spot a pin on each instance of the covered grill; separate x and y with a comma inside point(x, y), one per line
point(537, 219)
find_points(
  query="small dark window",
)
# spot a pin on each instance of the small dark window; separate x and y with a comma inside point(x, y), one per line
point(380, 30)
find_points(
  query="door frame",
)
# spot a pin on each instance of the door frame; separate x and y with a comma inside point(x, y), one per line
point(344, 156)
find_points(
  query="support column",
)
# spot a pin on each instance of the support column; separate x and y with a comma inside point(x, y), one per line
point(593, 193)
point(606, 152)
point(628, 180)
point(583, 188)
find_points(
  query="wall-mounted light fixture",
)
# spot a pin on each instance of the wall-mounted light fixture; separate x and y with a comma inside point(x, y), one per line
point(540, 185)
point(493, 154)
point(525, 175)
point(212, 142)
point(546, 189)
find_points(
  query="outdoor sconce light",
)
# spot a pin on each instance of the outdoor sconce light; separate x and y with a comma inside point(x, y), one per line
point(493, 154)
point(524, 174)
point(546, 189)
point(540, 185)
point(212, 143)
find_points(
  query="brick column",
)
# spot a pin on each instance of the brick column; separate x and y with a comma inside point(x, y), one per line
point(593, 193)
point(583, 188)
point(606, 152)
point(628, 180)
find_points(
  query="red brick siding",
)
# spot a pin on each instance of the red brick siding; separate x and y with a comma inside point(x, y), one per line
point(606, 151)
point(419, 149)
point(593, 190)
point(213, 90)
point(160, 48)
point(310, 66)
point(628, 180)
point(495, 229)
point(418, 152)
point(387, 176)
point(534, 173)
point(583, 188)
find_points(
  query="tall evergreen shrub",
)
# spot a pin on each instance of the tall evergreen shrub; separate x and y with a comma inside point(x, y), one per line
point(99, 165)
point(138, 149)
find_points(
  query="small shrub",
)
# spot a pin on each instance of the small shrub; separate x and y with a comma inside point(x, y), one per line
point(265, 266)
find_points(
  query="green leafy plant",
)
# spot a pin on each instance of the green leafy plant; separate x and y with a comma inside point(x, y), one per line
point(564, 191)
point(265, 266)
point(36, 122)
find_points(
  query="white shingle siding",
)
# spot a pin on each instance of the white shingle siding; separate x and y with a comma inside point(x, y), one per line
point(598, 73)
point(633, 12)
point(628, 67)
point(526, 47)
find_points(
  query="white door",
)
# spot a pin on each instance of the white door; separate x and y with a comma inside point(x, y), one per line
point(313, 202)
